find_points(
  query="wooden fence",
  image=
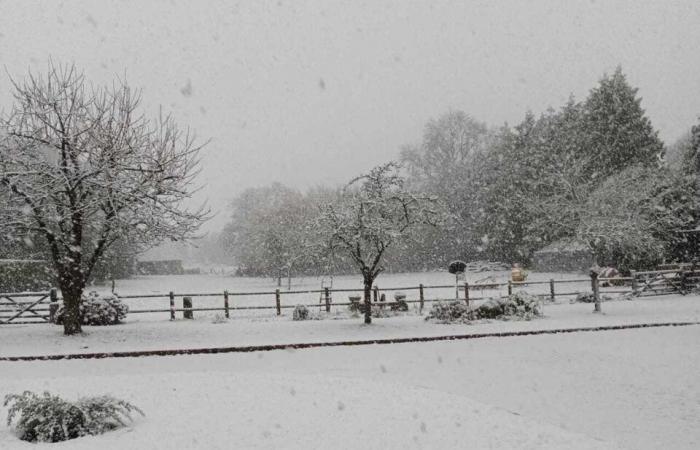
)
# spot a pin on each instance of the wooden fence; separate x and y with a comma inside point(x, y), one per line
point(681, 280)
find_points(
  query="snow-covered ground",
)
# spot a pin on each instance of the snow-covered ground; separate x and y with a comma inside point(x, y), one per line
point(140, 334)
point(635, 389)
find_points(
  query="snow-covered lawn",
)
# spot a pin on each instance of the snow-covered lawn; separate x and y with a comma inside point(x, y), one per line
point(635, 389)
point(140, 334)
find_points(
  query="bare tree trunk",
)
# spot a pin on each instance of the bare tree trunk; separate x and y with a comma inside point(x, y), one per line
point(72, 290)
point(368, 280)
point(71, 306)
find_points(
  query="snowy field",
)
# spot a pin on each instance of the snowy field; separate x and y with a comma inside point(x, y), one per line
point(635, 389)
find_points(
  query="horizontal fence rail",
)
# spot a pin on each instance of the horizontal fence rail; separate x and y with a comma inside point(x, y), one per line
point(40, 307)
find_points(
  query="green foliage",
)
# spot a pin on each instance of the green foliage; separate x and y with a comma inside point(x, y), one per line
point(48, 418)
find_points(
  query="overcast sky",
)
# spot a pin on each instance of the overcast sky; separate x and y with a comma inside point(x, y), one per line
point(318, 91)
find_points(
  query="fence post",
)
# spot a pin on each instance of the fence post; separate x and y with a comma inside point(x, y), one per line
point(277, 301)
point(635, 287)
point(327, 295)
point(172, 305)
point(596, 292)
point(421, 297)
point(53, 306)
point(187, 306)
point(466, 292)
point(684, 282)
point(510, 288)
point(376, 294)
point(226, 303)
point(551, 289)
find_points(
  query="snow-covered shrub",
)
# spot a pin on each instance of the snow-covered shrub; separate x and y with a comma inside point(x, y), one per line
point(588, 298)
point(448, 312)
point(356, 305)
point(97, 309)
point(49, 418)
point(301, 312)
point(519, 305)
point(219, 318)
point(399, 305)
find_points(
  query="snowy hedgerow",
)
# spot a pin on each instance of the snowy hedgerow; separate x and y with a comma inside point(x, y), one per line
point(98, 309)
point(49, 418)
point(301, 312)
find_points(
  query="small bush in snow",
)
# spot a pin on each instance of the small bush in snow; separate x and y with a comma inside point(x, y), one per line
point(399, 305)
point(519, 305)
point(449, 312)
point(219, 318)
point(98, 309)
point(588, 298)
point(49, 418)
point(301, 312)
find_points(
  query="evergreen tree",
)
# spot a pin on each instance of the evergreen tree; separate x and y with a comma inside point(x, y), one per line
point(617, 133)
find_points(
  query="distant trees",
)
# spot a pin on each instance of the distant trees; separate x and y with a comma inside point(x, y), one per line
point(590, 171)
point(270, 231)
point(531, 184)
point(445, 165)
point(633, 218)
point(82, 169)
point(374, 214)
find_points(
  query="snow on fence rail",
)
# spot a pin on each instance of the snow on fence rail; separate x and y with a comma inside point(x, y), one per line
point(660, 282)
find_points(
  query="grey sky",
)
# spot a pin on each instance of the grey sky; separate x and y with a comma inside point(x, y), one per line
point(316, 92)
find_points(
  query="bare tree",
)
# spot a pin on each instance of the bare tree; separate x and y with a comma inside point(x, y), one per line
point(88, 169)
point(374, 214)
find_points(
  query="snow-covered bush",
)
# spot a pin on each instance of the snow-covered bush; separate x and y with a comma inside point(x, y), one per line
point(301, 312)
point(519, 305)
point(219, 318)
point(49, 418)
point(98, 309)
point(449, 312)
point(399, 304)
point(588, 298)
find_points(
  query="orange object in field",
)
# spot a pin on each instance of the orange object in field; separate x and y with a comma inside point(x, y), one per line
point(517, 273)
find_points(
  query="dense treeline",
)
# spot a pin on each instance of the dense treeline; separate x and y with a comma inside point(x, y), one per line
point(592, 172)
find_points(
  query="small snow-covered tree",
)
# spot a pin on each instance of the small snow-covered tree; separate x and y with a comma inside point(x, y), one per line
point(84, 168)
point(376, 212)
